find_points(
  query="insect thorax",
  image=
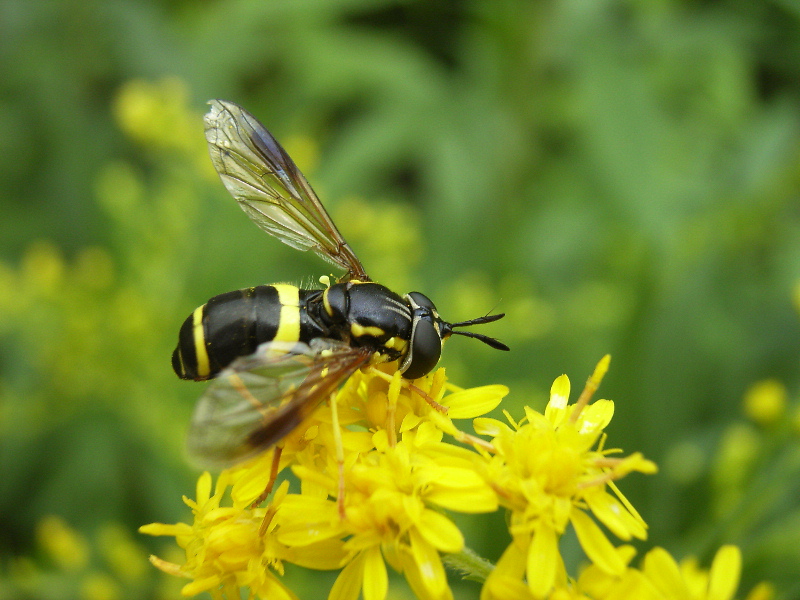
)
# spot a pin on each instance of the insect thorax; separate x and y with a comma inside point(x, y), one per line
point(369, 314)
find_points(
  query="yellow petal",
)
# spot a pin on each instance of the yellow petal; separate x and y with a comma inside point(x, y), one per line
point(479, 499)
point(302, 534)
point(428, 566)
point(559, 392)
point(162, 529)
point(448, 477)
point(663, 571)
point(323, 555)
point(762, 591)
point(596, 545)
point(427, 433)
point(635, 462)
point(596, 416)
point(348, 584)
point(490, 427)
point(725, 572)
point(250, 485)
point(542, 561)
point(505, 588)
point(269, 588)
point(203, 487)
point(505, 580)
point(168, 567)
point(473, 402)
point(440, 531)
point(200, 585)
point(376, 581)
point(613, 515)
point(559, 398)
point(595, 582)
point(409, 422)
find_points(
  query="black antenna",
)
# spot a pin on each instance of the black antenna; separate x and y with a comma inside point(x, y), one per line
point(489, 341)
point(479, 320)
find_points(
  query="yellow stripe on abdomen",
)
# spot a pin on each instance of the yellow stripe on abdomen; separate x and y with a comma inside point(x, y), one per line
point(289, 324)
point(200, 351)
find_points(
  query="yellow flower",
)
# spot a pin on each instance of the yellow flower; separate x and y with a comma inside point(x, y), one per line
point(392, 500)
point(765, 402)
point(230, 547)
point(551, 470)
point(662, 578)
point(377, 399)
point(394, 493)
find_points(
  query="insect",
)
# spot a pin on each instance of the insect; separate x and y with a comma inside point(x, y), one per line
point(276, 351)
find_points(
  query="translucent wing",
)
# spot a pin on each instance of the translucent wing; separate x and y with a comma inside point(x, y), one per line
point(261, 398)
point(270, 188)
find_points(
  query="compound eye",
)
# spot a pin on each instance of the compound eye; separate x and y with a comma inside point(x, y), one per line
point(426, 348)
point(421, 301)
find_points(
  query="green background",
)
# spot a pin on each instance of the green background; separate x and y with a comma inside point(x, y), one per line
point(617, 176)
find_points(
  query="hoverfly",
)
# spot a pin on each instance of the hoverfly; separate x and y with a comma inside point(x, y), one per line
point(276, 351)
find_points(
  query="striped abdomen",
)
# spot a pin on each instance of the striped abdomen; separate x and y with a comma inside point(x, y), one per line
point(234, 324)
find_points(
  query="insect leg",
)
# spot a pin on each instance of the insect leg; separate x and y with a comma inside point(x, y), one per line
point(273, 475)
point(268, 515)
point(434, 404)
point(391, 412)
point(421, 393)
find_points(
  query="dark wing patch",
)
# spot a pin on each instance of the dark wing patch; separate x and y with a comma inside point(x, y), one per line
point(261, 398)
point(270, 188)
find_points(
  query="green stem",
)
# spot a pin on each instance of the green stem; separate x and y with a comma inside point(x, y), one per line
point(469, 565)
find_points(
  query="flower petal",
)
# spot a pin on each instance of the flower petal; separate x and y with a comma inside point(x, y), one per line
point(348, 584)
point(542, 560)
point(474, 500)
point(663, 571)
point(203, 492)
point(440, 531)
point(725, 572)
point(559, 398)
point(473, 402)
point(595, 417)
point(376, 580)
point(200, 585)
point(163, 529)
point(324, 555)
point(596, 545)
point(487, 426)
point(428, 566)
point(613, 515)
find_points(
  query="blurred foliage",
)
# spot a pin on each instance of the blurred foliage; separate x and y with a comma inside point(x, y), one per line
point(616, 176)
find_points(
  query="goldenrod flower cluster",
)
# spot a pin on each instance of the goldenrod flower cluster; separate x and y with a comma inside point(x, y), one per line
point(405, 468)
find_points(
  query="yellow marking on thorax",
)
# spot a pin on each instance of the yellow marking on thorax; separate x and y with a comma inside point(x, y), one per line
point(396, 343)
point(200, 350)
point(289, 324)
point(377, 358)
point(359, 330)
point(326, 303)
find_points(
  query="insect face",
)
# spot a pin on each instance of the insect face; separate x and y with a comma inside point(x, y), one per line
point(428, 333)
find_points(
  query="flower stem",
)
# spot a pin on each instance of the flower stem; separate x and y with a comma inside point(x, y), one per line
point(469, 565)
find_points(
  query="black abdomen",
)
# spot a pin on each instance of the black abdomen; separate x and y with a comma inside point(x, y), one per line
point(234, 324)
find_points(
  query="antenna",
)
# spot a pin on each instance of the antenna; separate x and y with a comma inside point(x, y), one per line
point(489, 341)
